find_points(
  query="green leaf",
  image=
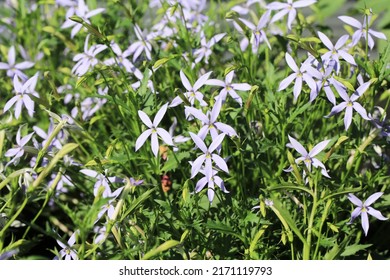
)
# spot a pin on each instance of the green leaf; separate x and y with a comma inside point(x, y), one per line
point(222, 228)
point(353, 249)
point(163, 247)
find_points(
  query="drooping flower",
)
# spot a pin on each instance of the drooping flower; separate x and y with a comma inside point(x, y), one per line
point(229, 88)
point(364, 208)
point(363, 30)
point(153, 130)
point(350, 103)
point(309, 157)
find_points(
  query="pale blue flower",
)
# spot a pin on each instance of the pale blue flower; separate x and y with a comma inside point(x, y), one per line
point(364, 208)
point(153, 130)
point(211, 182)
point(335, 51)
point(288, 8)
point(209, 121)
point(304, 73)
point(308, 158)
point(82, 11)
point(22, 96)
point(362, 31)
point(14, 68)
point(17, 152)
point(229, 88)
point(208, 156)
point(67, 251)
point(258, 34)
point(192, 92)
point(204, 51)
point(350, 103)
point(87, 60)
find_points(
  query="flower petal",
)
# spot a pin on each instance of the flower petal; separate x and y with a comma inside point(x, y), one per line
point(376, 214)
point(365, 223)
point(220, 162)
point(372, 198)
point(201, 81)
point(166, 137)
point(160, 114)
point(325, 40)
point(145, 119)
point(355, 200)
point(154, 144)
point(142, 138)
point(318, 148)
point(297, 146)
point(198, 142)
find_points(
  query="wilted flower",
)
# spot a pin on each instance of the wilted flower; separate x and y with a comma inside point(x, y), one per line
point(364, 208)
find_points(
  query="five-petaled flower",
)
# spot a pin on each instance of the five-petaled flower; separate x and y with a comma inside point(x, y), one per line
point(288, 8)
point(364, 208)
point(192, 91)
point(15, 68)
point(229, 88)
point(363, 30)
point(153, 130)
point(22, 97)
point(350, 103)
point(18, 151)
point(67, 251)
point(208, 156)
point(305, 73)
point(335, 51)
point(309, 157)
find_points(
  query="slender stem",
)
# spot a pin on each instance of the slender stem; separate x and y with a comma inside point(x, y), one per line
point(306, 247)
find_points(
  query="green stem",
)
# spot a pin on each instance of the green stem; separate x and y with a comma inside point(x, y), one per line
point(307, 245)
